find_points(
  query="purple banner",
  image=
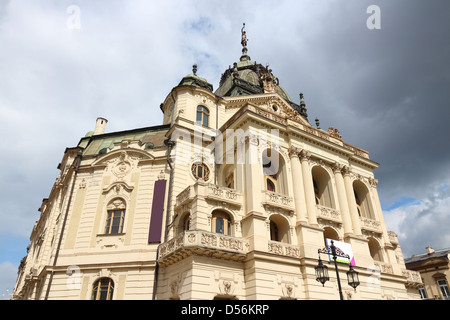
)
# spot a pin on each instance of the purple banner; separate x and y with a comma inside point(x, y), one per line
point(156, 219)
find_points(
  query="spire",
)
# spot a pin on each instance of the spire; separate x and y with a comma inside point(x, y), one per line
point(244, 41)
point(303, 110)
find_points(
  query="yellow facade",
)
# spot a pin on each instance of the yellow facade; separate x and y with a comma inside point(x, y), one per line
point(231, 226)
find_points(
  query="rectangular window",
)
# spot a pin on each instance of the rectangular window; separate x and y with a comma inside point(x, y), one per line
point(219, 225)
point(444, 289)
point(114, 221)
point(423, 293)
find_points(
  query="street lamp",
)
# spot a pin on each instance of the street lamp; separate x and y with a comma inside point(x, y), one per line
point(322, 273)
point(322, 270)
point(352, 278)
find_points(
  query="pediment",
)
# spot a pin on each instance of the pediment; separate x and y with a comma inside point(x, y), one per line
point(125, 155)
point(272, 105)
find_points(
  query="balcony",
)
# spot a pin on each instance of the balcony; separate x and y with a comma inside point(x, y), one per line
point(413, 279)
point(328, 214)
point(276, 200)
point(370, 225)
point(202, 243)
point(209, 192)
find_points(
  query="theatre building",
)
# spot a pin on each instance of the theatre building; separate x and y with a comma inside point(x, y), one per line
point(231, 197)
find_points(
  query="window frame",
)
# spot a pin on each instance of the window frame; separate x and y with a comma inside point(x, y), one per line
point(97, 289)
point(204, 170)
point(111, 218)
point(443, 288)
point(271, 181)
point(202, 116)
point(227, 225)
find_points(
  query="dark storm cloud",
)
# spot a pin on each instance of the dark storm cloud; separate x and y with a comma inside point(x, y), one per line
point(386, 90)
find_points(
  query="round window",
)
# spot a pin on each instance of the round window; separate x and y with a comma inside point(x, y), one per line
point(200, 171)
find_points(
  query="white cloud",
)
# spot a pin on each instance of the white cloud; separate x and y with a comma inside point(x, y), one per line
point(8, 275)
point(422, 223)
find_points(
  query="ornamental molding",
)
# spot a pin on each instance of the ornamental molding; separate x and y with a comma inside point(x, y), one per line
point(120, 162)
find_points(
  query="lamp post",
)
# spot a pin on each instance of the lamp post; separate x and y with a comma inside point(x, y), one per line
point(322, 270)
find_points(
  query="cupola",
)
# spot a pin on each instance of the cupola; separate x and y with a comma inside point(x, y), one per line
point(248, 77)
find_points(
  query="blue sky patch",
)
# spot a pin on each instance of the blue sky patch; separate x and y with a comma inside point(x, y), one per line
point(402, 201)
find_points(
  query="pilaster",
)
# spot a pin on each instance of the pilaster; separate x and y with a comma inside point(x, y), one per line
point(342, 198)
point(351, 201)
point(309, 188)
point(297, 178)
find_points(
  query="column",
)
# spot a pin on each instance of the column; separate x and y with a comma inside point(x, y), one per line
point(342, 198)
point(309, 188)
point(253, 172)
point(297, 178)
point(377, 208)
point(351, 201)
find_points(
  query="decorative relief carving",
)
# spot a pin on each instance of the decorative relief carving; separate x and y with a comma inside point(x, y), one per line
point(413, 278)
point(203, 243)
point(278, 201)
point(82, 184)
point(293, 152)
point(370, 224)
point(384, 267)
point(328, 213)
point(334, 133)
point(305, 155)
point(337, 167)
point(373, 182)
point(284, 249)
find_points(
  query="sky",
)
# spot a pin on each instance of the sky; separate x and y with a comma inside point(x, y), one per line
point(381, 77)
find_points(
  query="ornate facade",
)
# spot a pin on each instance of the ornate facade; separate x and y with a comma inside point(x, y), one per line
point(230, 198)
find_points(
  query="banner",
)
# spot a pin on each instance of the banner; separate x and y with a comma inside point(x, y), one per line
point(343, 247)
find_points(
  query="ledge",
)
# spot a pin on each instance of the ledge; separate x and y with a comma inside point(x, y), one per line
point(202, 243)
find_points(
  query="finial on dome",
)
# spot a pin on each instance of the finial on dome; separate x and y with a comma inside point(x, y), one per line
point(244, 41)
point(194, 69)
point(244, 36)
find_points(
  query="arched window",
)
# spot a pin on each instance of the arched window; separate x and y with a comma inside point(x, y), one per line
point(183, 223)
point(226, 175)
point(202, 116)
point(103, 289)
point(323, 190)
point(330, 233)
point(316, 192)
point(362, 198)
point(274, 171)
point(358, 204)
point(221, 223)
point(115, 218)
point(274, 235)
point(375, 250)
point(187, 222)
point(271, 185)
point(279, 228)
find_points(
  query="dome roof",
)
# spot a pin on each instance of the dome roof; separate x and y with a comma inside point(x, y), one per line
point(195, 81)
point(248, 77)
